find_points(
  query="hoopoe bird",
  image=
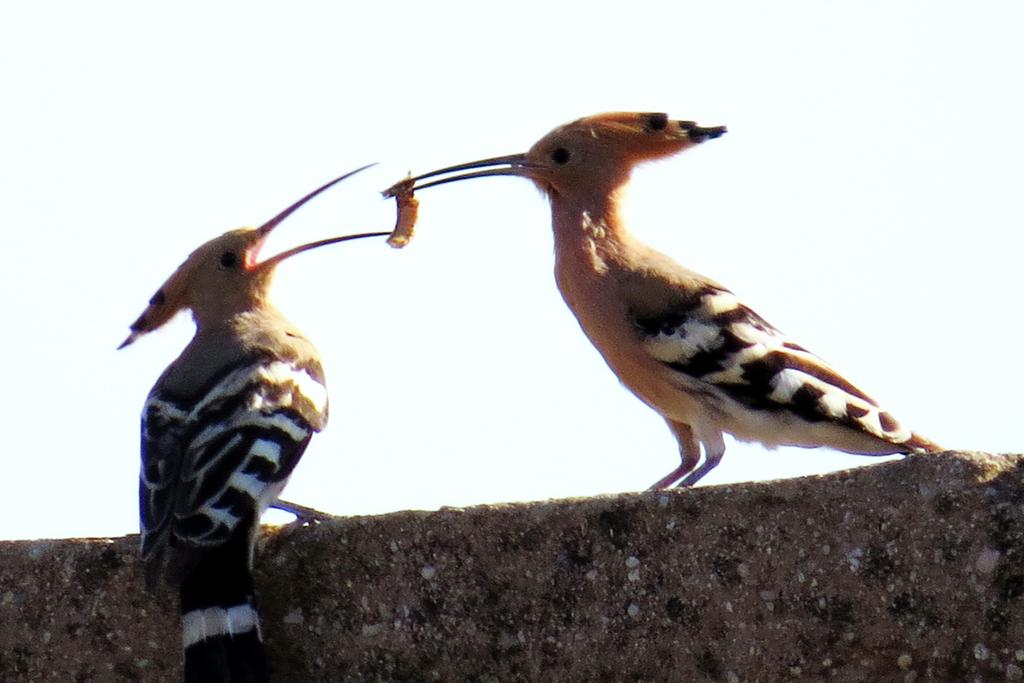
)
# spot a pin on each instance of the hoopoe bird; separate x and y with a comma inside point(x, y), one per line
point(222, 430)
point(681, 342)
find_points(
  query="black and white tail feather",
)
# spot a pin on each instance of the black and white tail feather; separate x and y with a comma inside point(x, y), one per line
point(683, 344)
point(211, 464)
point(222, 430)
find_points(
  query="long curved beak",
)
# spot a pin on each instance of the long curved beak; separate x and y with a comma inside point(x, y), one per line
point(511, 164)
point(276, 220)
point(274, 260)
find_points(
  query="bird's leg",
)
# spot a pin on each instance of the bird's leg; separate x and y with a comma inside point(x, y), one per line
point(302, 513)
point(714, 449)
point(689, 452)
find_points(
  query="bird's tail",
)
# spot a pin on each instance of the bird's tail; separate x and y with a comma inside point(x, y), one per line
point(919, 444)
point(219, 622)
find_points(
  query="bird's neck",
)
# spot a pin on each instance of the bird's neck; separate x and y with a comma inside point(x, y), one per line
point(240, 322)
point(592, 247)
point(222, 343)
point(227, 307)
point(590, 234)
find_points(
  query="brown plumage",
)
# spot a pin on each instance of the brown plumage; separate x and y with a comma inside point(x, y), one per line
point(222, 430)
point(684, 344)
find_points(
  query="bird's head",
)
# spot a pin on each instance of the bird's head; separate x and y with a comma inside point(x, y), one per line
point(592, 154)
point(225, 276)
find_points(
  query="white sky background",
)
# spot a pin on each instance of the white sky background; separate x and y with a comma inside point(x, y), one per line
point(866, 200)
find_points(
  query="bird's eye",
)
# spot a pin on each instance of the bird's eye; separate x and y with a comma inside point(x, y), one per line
point(657, 121)
point(229, 259)
point(560, 156)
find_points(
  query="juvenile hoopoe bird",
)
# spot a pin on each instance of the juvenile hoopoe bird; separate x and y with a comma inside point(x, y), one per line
point(684, 344)
point(222, 430)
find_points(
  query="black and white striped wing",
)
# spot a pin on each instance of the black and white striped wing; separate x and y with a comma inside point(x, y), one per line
point(210, 463)
point(163, 426)
point(730, 352)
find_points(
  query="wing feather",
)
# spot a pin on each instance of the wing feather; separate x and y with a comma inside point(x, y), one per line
point(731, 351)
point(210, 463)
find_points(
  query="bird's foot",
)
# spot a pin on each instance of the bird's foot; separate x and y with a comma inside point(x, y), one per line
point(303, 514)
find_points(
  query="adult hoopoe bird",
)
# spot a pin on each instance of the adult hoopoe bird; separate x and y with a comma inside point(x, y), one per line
point(684, 344)
point(222, 430)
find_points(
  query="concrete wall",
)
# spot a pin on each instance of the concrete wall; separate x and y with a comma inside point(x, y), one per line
point(905, 571)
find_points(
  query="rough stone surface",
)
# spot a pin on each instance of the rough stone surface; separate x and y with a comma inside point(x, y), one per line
point(906, 571)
